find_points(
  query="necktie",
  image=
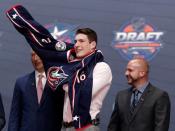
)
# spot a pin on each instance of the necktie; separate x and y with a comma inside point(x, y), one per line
point(40, 87)
point(135, 98)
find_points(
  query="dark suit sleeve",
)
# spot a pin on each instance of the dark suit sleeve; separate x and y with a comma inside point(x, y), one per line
point(15, 113)
point(114, 124)
point(162, 113)
point(2, 114)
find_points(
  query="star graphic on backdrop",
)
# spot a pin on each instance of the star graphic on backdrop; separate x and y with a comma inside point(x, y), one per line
point(56, 33)
point(14, 16)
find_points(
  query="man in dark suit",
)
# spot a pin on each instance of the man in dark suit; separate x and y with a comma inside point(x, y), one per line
point(34, 106)
point(2, 115)
point(142, 107)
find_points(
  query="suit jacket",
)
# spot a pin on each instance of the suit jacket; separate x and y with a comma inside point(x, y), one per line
point(27, 115)
point(2, 114)
point(151, 114)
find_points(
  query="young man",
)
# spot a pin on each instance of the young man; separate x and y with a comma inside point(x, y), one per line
point(34, 106)
point(93, 82)
point(80, 69)
point(143, 107)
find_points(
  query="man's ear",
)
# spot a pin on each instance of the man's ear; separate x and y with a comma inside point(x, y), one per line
point(93, 45)
point(142, 73)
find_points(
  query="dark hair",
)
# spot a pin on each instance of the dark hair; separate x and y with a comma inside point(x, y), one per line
point(91, 34)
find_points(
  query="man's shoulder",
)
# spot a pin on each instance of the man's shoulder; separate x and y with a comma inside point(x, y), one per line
point(102, 68)
point(102, 65)
point(121, 94)
point(124, 91)
point(25, 77)
point(157, 91)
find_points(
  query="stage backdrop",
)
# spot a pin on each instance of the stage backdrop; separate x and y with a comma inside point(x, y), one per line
point(104, 16)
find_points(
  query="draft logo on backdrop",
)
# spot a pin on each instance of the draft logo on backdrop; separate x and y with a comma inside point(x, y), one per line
point(138, 38)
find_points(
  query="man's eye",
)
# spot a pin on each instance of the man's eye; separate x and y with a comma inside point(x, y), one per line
point(75, 41)
point(81, 40)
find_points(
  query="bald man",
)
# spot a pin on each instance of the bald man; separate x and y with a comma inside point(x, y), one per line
point(143, 107)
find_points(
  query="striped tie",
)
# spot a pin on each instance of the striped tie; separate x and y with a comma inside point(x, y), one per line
point(40, 87)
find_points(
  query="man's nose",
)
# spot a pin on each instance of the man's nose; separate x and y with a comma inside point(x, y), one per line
point(76, 44)
point(36, 57)
point(126, 73)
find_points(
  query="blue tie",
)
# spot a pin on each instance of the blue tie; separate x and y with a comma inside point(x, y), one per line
point(135, 98)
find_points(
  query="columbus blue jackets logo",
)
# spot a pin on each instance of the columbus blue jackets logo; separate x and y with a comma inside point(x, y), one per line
point(55, 76)
point(137, 38)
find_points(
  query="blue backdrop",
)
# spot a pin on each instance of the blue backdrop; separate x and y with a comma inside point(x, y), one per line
point(104, 16)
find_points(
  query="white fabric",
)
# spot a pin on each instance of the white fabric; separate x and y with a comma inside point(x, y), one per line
point(67, 115)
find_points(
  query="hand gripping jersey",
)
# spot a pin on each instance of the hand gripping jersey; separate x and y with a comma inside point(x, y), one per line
point(60, 63)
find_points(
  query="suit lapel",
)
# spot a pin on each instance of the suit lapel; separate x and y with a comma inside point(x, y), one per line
point(44, 95)
point(141, 101)
point(32, 81)
point(32, 87)
point(128, 96)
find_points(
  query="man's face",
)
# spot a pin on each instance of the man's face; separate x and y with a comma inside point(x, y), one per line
point(83, 46)
point(37, 62)
point(132, 73)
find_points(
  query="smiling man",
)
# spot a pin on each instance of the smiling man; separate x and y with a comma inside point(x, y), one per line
point(91, 84)
point(85, 44)
point(143, 107)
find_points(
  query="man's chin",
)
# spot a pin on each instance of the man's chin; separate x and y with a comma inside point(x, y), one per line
point(80, 56)
point(130, 82)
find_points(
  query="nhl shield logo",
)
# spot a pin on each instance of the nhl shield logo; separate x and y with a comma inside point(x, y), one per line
point(55, 76)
